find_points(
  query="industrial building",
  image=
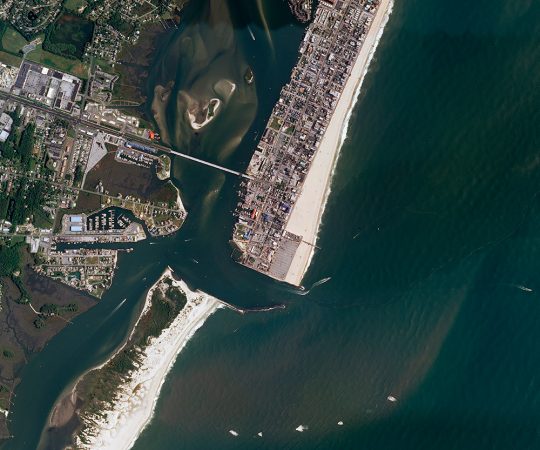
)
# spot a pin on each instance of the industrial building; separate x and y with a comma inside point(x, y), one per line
point(48, 86)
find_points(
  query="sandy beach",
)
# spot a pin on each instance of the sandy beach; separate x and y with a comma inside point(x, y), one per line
point(134, 404)
point(307, 212)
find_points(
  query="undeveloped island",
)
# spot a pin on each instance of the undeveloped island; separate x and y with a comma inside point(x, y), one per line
point(111, 404)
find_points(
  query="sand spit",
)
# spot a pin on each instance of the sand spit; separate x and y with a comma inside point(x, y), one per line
point(133, 406)
point(306, 215)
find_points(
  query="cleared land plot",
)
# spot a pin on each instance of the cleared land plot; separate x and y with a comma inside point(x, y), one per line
point(49, 59)
point(12, 40)
point(75, 5)
point(9, 59)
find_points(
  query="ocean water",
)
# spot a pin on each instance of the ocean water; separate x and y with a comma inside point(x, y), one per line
point(431, 241)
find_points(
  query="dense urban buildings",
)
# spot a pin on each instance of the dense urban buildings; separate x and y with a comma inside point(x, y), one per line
point(293, 135)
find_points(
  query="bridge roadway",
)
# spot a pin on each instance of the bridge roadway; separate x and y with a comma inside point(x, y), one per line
point(107, 129)
point(216, 166)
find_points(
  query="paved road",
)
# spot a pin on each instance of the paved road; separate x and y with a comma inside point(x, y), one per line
point(62, 185)
point(130, 136)
point(216, 166)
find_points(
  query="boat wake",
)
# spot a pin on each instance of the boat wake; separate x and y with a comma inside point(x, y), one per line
point(113, 311)
point(260, 8)
point(302, 289)
point(521, 287)
point(251, 32)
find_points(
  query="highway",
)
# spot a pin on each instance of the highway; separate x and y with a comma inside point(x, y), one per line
point(113, 131)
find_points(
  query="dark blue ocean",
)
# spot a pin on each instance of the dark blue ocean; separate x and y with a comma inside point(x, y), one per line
point(431, 240)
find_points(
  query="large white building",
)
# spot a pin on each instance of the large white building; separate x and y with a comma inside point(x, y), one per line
point(5, 126)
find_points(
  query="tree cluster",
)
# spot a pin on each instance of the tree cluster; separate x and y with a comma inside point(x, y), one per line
point(10, 259)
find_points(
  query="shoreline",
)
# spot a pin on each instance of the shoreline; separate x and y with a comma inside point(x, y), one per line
point(317, 185)
point(119, 426)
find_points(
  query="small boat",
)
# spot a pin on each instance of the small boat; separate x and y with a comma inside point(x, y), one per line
point(259, 434)
point(301, 428)
point(340, 423)
point(234, 433)
point(524, 288)
point(391, 398)
point(251, 33)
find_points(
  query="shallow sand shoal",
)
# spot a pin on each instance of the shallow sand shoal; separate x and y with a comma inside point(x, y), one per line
point(307, 212)
point(136, 400)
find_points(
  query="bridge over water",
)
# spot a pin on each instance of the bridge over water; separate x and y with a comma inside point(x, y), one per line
point(206, 163)
point(112, 131)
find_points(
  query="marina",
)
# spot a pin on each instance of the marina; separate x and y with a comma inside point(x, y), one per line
point(424, 309)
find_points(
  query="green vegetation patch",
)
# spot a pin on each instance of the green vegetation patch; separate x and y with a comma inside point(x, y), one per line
point(72, 66)
point(12, 40)
point(24, 202)
point(68, 36)
point(10, 259)
point(276, 123)
point(289, 130)
point(99, 386)
point(167, 194)
point(5, 394)
point(7, 353)
point(121, 25)
point(9, 59)
point(75, 5)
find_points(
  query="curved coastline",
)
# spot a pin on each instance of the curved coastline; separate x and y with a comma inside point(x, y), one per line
point(302, 221)
point(119, 425)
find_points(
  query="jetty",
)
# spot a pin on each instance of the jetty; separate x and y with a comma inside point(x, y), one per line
point(254, 309)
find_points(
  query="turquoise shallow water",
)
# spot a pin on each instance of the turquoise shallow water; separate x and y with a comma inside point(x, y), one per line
point(431, 230)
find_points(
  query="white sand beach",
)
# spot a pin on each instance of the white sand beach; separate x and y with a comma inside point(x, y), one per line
point(307, 212)
point(134, 404)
